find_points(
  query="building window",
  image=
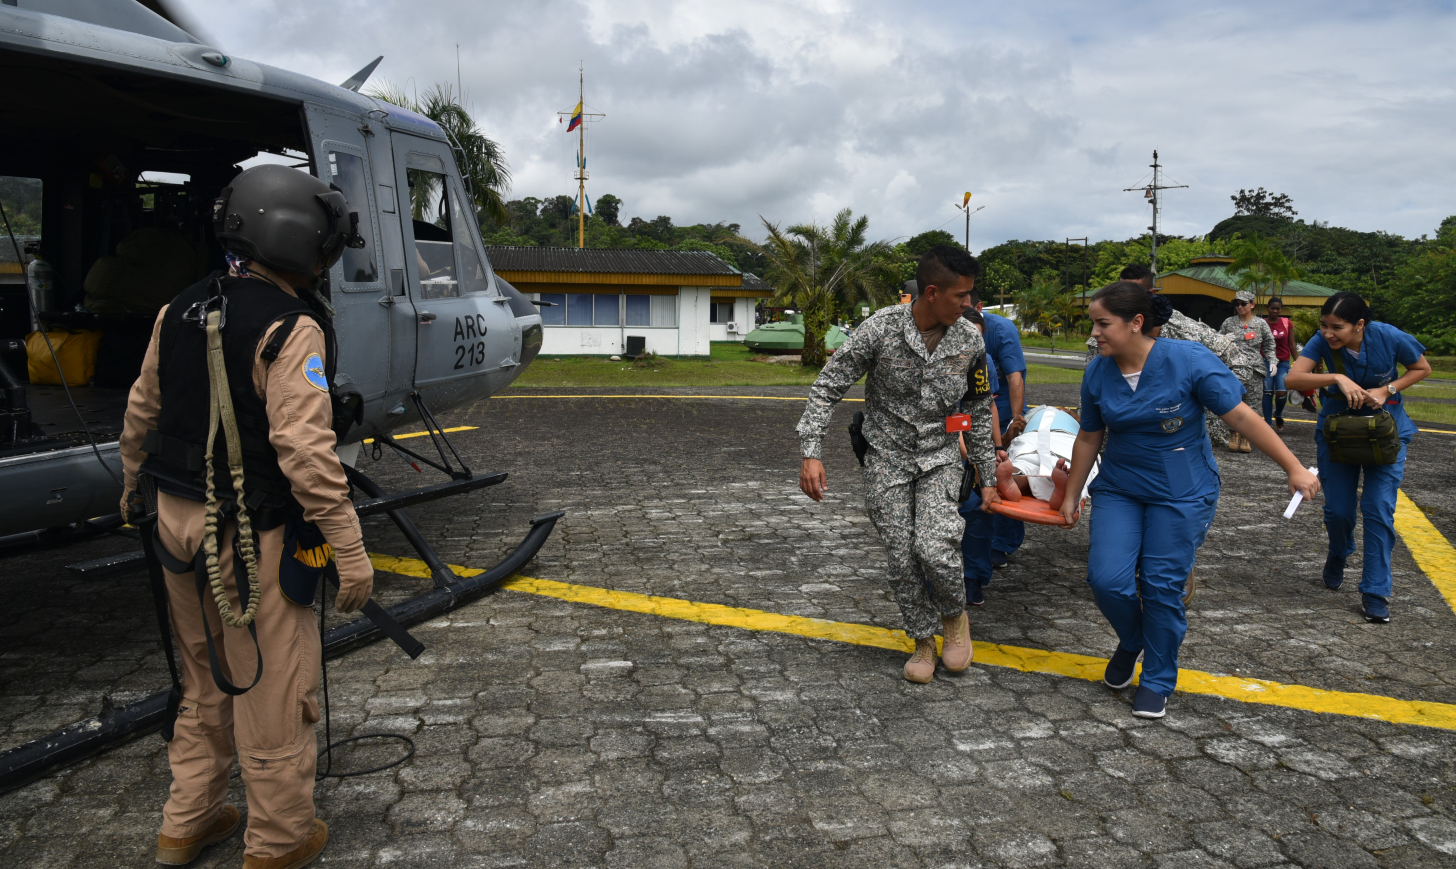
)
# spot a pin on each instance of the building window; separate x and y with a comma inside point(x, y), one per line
point(608, 311)
point(664, 311)
point(578, 309)
point(639, 310)
point(722, 312)
point(553, 316)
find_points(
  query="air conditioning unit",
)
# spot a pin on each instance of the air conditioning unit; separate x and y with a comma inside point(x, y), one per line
point(732, 327)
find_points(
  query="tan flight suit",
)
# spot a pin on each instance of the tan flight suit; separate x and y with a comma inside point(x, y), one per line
point(272, 725)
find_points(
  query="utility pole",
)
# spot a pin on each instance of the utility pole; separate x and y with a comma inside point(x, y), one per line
point(1067, 268)
point(579, 117)
point(966, 207)
point(1150, 193)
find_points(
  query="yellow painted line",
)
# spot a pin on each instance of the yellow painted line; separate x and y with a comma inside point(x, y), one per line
point(747, 397)
point(420, 434)
point(1442, 715)
point(1434, 555)
point(1427, 430)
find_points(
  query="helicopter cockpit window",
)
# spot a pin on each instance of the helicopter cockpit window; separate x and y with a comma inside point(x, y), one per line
point(347, 171)
point(472, 273)
point(434, 244)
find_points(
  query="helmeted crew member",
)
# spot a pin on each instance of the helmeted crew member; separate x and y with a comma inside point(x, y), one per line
point(1365, 380)
point(1180, 327)
point(916, 359)
point(282, 228)
point(1253, 334)
point(1003, 346)
point(1155, 494)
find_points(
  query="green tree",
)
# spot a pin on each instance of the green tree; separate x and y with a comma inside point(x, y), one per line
point(1425, 285)
point(1261, 203)
point(607, 208)
point(1045, 307)
point(817, 268)
point(922, 243)
point(1260, 265)
point(482, 163)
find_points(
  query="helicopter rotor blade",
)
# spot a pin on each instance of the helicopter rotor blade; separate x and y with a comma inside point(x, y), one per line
point(178, 17)
point(356, 81)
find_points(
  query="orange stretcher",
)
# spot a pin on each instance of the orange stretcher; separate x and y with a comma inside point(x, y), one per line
point(1029, 509)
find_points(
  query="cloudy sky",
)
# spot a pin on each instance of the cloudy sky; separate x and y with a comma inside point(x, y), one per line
point(793, 110)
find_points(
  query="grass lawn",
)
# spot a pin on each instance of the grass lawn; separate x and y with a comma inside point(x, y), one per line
point(1063, 342)
point(730, 365)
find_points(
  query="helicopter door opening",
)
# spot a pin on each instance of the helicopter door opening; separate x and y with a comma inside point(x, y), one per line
point(463, 331)
point(359, 277)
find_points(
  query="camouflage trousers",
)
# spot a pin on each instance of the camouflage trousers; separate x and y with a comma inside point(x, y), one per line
point(915, 515)
point(1218, 430)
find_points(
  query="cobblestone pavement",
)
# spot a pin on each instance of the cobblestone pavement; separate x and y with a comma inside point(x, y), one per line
point(552, 733)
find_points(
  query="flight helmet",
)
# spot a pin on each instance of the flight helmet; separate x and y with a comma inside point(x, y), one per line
point(284, 219)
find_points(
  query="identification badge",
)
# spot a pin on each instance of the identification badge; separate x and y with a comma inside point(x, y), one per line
point(1248, 336)
point(958, 422)
point(1172, 424)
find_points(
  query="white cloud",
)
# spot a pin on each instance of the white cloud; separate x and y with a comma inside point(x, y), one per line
point(725, 111)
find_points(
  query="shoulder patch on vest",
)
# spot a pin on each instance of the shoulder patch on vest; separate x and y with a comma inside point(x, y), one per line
point(313, 372)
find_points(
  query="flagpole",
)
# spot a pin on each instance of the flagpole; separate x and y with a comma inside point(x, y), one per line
point(581, 170)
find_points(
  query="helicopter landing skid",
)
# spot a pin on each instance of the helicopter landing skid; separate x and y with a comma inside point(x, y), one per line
point(118, 724)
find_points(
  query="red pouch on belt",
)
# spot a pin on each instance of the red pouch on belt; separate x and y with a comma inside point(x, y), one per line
point(958, 422)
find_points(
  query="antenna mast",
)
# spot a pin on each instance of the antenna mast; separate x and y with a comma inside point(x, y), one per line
point(1150, 192)
point(581, 172)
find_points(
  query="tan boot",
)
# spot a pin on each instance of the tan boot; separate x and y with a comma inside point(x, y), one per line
point(297, 858)
point(1245, 445)
point(1233, 446)
point(172, 851)
point(956, 653)
point(921, 666)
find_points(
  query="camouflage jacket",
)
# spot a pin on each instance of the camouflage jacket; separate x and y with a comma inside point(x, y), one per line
point(908, 393)
point(1254, 335)
point(1241, 359)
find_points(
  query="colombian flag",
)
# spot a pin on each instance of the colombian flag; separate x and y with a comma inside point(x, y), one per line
point(575, 118)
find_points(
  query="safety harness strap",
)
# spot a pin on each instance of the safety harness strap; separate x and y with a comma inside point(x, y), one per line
point(158, 582)
point(280, 336)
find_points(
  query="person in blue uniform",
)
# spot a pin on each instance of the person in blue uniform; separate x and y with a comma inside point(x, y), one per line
point(1003, 346)
point(1154, 497)
point(1368, 352)
point(976, 540)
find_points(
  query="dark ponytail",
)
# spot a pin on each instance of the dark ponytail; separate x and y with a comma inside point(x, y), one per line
point(1349, 307)
point(1126, 299)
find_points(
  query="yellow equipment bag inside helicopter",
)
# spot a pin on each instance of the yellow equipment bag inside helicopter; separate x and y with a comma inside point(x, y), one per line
point(76, 350)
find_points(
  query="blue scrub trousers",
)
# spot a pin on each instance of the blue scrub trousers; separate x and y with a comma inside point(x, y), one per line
point(1274, 383)
point(976, 542)
point(1161, 539)
point(1341, 484)
point(1007, 534)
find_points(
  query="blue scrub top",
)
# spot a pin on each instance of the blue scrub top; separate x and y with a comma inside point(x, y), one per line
point(1383, 346)
point(1161, 452)
point(1003, 344)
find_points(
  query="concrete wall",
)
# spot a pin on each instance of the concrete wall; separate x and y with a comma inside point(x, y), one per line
point(742, 318)
point(691, 337)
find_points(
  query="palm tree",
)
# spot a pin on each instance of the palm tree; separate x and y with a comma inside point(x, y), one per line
point(817, 269)
point(1044, 307)
point(1260, 264)
point(482, 162)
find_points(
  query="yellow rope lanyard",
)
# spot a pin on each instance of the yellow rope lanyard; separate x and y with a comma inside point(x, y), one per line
point(220, 409)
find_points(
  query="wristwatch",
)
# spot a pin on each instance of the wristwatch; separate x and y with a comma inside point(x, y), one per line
point(1390, 387)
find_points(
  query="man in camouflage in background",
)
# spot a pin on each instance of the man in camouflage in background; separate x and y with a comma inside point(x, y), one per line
point(919, 360)
point(1244, 363)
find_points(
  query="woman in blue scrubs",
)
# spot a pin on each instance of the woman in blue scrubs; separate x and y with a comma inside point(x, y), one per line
point(1155, 495)
point(1369, 352)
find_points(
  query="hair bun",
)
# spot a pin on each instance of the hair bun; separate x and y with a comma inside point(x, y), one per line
point(1162, 309)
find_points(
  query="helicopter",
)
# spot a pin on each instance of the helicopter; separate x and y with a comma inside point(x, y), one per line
point(132, 124)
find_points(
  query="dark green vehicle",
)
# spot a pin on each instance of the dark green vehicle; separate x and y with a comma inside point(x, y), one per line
point(787, 336)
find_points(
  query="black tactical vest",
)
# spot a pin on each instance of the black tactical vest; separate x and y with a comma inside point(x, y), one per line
point(176, 447)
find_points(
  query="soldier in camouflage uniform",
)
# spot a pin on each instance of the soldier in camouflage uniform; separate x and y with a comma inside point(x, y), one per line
point(1256, 340)
point(919, 360)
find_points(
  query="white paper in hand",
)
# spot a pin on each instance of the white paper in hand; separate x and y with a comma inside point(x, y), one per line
point(1297, 499)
